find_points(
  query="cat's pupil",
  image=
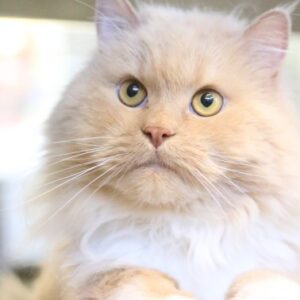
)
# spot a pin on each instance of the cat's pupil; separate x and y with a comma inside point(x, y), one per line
point(207, 99)
point(133, 90)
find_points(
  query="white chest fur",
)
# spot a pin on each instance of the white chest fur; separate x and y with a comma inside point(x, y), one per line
point(203, 259)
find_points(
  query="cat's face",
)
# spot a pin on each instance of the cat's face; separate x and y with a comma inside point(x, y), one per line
point(184, 108)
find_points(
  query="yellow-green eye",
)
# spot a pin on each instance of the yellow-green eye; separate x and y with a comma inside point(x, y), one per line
point(207, 103)
point(132, 93)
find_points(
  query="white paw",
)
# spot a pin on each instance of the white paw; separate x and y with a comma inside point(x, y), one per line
point(264, 286)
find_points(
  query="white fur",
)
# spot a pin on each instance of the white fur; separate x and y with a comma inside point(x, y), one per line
point(275, 288)
point(204, 258)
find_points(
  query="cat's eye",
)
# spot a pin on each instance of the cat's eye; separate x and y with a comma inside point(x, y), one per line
point(132, 93)
point(207, 103)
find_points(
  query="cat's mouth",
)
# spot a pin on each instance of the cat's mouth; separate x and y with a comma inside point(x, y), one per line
point(154, 165)
point(157, 165)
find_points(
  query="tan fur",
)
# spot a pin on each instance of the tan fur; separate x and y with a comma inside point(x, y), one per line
point(251, 145)
point(12, 289)
point(135, 284)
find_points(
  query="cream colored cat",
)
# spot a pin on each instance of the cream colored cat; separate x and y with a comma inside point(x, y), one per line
point(173, 167)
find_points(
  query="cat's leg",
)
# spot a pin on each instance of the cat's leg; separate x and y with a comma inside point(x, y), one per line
point(132, 284)
point(264, 285)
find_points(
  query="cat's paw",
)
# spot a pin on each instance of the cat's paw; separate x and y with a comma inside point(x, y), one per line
point(264, 285)
point(152, 297)
point(134, 284)
point(179, 297)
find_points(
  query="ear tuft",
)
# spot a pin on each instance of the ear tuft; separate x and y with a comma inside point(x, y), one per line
point(267, 39)
point(290, 7)
point(113, 16)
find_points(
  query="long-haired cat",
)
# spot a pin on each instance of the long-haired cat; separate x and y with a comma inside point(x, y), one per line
point(173, 166)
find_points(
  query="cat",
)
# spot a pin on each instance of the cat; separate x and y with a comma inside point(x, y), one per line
point(173, 165)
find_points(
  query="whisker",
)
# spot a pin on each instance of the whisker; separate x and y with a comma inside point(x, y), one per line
point(76, 176)
point(80, 139)
point(213, 187)
point(49, 155)
point(67, 203)
point(125, 169)
point(228, 179)
point(98, 189)
point(99, 164)
point(233, 184)
point(98, 161)
point(88, 235)
point(86, 5)
point(69, 158)
point(234, 161)
point(206, 184)
point(65, 157)
point(233, 171)
point(70, 176)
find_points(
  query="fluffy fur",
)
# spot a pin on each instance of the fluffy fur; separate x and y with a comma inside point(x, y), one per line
point(219, 198)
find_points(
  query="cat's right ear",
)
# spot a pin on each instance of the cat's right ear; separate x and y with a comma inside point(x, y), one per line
point(267, 39)
point(114, 16)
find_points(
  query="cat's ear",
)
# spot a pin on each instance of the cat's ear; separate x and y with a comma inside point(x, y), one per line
point(113, 16)
point(267, 39)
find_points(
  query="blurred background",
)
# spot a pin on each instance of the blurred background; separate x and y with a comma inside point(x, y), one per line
point(42, 45)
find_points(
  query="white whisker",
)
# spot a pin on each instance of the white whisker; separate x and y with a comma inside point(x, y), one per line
point(98, 161)
point(65, 157)
point(86, 5)
point(72, 178)
point(69, 158)
point(234, 161)
point(213, 187)
point(80, 139)
point(48, 155)
point(98, 189)
point(67, 203)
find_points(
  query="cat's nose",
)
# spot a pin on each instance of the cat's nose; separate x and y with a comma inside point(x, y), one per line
point(157, 135)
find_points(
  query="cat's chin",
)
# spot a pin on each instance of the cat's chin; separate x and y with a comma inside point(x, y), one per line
point(155, 185)
point(155, 168)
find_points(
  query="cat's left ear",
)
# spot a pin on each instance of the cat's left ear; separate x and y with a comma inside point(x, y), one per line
point(113, 16)
point(267, 39)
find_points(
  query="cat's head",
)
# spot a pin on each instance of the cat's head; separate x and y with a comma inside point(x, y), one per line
point(178, 108)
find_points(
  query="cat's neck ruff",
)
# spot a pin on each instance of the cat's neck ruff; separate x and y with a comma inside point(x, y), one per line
point(197, 254)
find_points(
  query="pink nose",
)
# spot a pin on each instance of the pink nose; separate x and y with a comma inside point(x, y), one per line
point(157, 135)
